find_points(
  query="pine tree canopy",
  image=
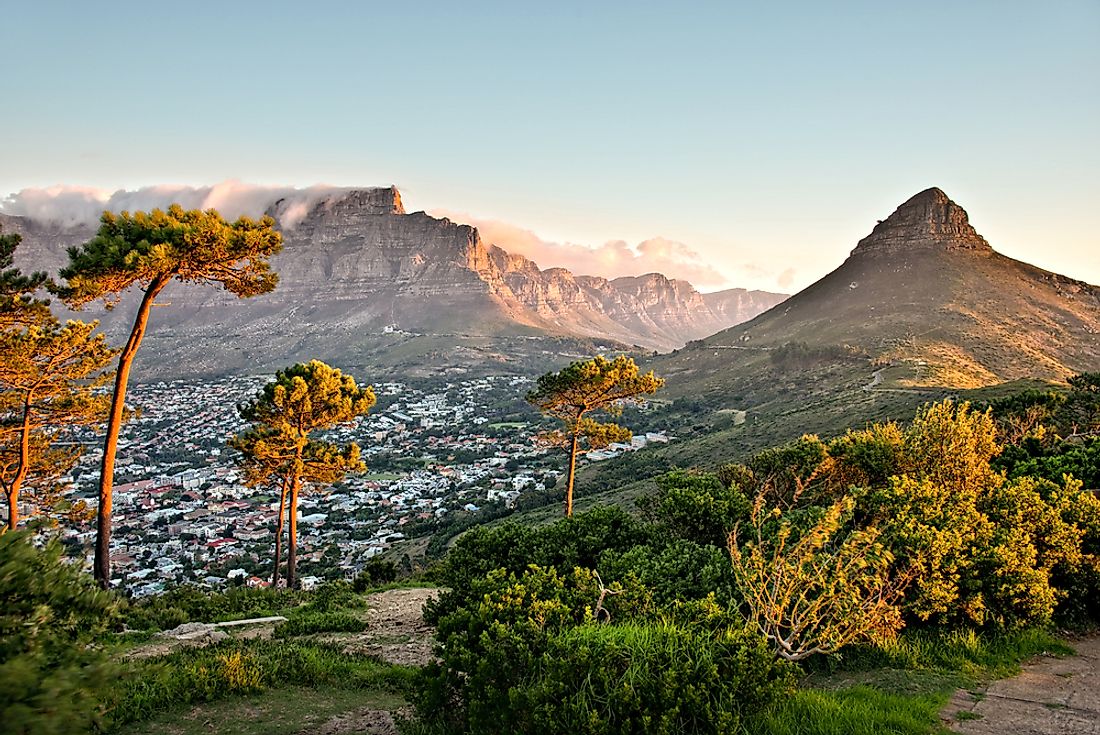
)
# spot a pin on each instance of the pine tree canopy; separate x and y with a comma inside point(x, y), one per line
point(156, 247)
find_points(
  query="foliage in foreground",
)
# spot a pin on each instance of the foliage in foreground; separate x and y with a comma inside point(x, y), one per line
point(52, 671)
point(532, 652)
point(231, 668)
point(652, 678)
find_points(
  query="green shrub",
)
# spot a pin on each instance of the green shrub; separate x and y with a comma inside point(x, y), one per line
point(53, 670)
point(697, 506)
point(375, 572)
point(499, 633)
point(661, 679)
point(577, 541)
point(307, 623)
point(681, 570)
point(332, 596)
point(1032, 459)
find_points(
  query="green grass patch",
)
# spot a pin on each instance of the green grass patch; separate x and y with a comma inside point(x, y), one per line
point(964, 656)
point(900, 687)
point(282, 711)
point(308, 623)
point(859, 710)
point(245, 668)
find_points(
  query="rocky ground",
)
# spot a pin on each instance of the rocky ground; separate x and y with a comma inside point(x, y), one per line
point(396, 631)
point(1051, 696)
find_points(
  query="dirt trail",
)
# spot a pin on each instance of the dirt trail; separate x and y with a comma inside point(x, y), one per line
point(396, 631)
point(1051, 696)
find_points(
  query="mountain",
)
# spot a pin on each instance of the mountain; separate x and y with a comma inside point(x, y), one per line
point(922, 309)
point(926, 293)
point(366, 285)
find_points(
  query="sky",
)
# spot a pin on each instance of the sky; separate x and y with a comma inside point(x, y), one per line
point(733, 143)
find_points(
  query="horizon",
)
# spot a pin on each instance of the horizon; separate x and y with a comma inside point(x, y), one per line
point(749, 148)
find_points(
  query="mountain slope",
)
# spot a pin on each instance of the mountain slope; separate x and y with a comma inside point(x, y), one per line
point(921, 310)
point(924, 289)
point(364, 284)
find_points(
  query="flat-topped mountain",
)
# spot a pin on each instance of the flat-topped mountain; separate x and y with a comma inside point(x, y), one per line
point(363, 283)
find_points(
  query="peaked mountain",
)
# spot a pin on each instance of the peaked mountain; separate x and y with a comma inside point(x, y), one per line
point(925, 293)
point(367, 285)
point(922, 309)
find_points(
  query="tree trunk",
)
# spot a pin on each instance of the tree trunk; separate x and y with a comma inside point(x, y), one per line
point(22, 467)
point(102, 567)
point(292, 546)
point(279, 535)
point(572, 473)
point(13, 510)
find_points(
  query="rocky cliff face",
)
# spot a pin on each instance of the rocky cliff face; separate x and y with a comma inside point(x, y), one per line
point(356, 265)
point(928, 220)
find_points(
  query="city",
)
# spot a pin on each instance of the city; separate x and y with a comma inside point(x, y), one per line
point(182, 514)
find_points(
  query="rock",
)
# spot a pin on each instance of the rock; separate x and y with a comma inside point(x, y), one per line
point(927, 220)
point(201, 633)
point(186, 630)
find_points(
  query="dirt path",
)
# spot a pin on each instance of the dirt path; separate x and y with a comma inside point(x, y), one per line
point(1051, 696)
point(396, 631)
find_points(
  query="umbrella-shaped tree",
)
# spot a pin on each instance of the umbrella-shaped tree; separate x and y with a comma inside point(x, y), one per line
point(282, 447)
point(150, 250)
point(583, 388)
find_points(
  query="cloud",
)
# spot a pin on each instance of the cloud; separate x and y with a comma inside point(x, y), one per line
point(786, 278)
point(610, 260)
point(73, 205)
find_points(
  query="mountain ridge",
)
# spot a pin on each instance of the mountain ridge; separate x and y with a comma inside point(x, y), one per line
point(356, 265)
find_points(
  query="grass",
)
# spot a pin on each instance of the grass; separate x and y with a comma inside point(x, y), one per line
point(900, 687)
point(860, 710)
point(308, 623)
point(236, 668)
point(282, 711)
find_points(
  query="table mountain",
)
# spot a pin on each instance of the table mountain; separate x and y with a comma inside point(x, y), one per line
point(364, 284)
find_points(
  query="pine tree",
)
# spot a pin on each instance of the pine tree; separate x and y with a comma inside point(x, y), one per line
point(17, 302)
point(584, 387)
point(281, 447)
point(150, 250)
point(48, 376)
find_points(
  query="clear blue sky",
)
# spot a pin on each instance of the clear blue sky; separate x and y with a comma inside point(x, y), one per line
point(764, 134)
